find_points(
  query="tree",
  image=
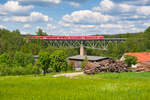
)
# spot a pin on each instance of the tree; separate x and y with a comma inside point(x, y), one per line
point(16, 31)
point(147, 32)
point(58, 61)
point(44, 60)
point(147, 37)
point(41, 33)
point(130, 60)
point(10, 41)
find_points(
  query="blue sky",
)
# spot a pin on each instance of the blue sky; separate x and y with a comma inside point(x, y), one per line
point(75, 17)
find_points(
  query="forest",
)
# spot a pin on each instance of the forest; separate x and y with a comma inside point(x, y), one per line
point(17, 53)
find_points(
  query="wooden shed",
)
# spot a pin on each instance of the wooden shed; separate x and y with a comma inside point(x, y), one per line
point(78, 60)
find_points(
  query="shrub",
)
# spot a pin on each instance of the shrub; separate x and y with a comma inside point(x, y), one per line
point(71, 66)
point(5, 70)
point(5, 59)
point(36, 70)
point(84, 62)
point(130, 60)
point(22, 59)
point(28, 69)
point(58, 61)
point(17, 71)
point(44, 60)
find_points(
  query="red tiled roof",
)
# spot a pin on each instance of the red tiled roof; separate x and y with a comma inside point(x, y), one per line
point(141, 57)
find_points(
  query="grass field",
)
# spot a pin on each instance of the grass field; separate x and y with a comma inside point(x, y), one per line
point(107, 86)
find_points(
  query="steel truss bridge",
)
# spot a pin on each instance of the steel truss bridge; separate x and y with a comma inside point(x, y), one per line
point(101, 44)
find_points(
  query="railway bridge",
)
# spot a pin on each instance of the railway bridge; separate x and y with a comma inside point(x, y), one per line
point(82, 42)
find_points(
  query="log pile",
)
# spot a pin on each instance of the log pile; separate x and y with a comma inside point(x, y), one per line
point(108, 65)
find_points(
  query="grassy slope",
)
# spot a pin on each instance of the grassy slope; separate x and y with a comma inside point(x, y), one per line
point(107, 86)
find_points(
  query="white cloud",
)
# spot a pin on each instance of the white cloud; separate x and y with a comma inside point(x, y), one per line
point(135, 16)
point(143, 10)
point(87, 26)
point(37, 16)
point(111, 26)
point(2, 13)
point(14, 7)
point(2, 27)
point(146, 24)
point(50, 27)
point(125, 7)
point(75, 4)
point(63, 24)
point(24, 33)
point(27, 26)
point(34, 17)
point(43, 3)
point(39, 1)
point(51, 3)
point(86, 17)
point(106, 4)
point(136, 2)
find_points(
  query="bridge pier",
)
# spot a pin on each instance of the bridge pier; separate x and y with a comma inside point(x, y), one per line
point(82, 50)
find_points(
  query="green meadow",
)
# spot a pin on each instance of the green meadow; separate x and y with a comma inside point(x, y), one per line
point(105, 86)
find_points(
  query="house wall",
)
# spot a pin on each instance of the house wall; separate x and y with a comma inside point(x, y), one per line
point(78, 64)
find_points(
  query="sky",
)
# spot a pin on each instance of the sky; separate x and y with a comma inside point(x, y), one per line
point(75, 17)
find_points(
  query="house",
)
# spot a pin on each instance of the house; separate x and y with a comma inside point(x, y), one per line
point(78, 60)
point(141, 57)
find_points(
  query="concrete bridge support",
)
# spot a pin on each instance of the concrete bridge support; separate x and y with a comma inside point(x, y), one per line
point(82, 50)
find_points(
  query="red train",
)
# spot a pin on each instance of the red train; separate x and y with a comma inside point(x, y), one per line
point(66, 37)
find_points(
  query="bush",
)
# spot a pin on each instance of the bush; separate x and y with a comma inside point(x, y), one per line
point(84, 62)
point(22, 59)
point(28, 69)
point(130, 60)
point(17, 71)
point(5, 70)
point(71, 66)
point(36, 70)
point(58, 61)
point(5, 59)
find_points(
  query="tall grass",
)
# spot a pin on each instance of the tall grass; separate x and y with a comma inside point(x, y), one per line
point(106, 86)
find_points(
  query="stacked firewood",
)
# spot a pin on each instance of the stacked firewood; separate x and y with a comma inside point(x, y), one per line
point(108, 65)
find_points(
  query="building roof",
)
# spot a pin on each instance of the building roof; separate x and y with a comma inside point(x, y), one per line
point(90, 58)
point(141, 57)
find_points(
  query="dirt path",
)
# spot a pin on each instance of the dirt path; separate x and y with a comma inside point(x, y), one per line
point(69, 74)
